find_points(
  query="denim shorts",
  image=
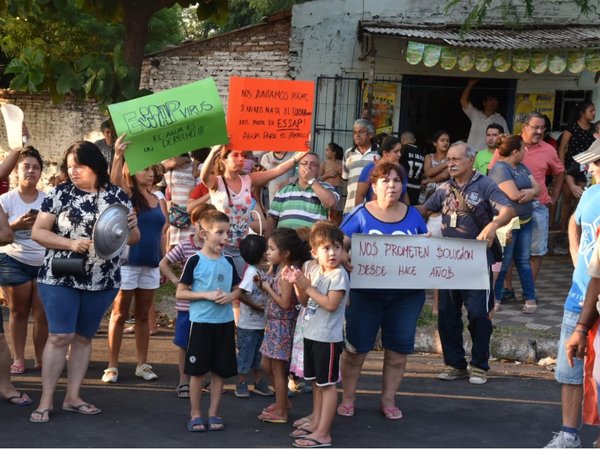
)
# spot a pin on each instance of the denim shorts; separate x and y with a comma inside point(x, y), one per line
point(539, 234)
point(248, 344)
point(14, 272)
point(139, 277)
point(182, 329)
point(70, 310)
point(563, 373)
point(396, 313)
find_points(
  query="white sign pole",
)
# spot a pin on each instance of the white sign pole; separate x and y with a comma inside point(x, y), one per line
point(418, 262)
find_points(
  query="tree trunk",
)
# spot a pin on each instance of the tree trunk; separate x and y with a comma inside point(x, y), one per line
point(137, 17)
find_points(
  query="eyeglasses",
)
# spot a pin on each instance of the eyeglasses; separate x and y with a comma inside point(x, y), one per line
point(360, 132)
point(537, 127)
point(308, 164)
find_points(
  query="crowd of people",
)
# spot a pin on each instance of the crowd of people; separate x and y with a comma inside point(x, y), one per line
point(259, 249)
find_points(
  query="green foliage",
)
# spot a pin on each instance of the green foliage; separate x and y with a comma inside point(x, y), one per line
point(88, 48)
point(241, 14)
point(512, 10)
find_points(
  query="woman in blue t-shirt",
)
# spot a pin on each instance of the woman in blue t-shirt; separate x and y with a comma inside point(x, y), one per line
point(517, 182)
point(395, 311)
point(389, 151)
point(140, 275)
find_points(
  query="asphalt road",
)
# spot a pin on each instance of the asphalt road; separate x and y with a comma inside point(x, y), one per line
point(518, 407)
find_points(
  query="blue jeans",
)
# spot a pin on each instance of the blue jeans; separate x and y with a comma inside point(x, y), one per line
point(518, 249)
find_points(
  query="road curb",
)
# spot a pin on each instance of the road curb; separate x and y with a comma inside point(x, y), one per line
point(505, 344)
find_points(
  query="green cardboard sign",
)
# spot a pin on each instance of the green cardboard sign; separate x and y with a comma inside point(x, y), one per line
point(170, 122)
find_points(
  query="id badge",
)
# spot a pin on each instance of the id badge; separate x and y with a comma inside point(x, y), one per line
point(453, 218)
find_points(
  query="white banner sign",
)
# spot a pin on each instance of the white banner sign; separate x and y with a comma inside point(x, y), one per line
point(418, 262)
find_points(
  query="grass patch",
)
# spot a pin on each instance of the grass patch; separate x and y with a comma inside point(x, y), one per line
point(427, 318)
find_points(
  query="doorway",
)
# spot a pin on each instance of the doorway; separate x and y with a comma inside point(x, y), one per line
point(432, 103)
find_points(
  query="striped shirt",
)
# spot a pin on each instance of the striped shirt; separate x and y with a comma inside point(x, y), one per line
point(179, 255)
point(180, 182)
point(295, 207)
point(352, 165)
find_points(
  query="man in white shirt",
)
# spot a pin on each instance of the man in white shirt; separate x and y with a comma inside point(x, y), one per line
point(480, 119)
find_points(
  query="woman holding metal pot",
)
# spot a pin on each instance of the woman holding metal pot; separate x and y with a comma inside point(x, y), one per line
point(75, 284)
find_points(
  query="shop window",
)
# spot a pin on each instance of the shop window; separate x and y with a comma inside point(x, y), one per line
point(564, 103)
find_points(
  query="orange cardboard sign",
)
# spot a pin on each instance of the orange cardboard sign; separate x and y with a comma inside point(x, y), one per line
point(269, 115)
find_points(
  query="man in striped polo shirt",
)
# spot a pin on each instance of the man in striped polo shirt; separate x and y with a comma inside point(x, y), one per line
point(357, 157)
point(304, 202)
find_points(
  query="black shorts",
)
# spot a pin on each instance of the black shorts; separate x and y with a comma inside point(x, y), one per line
point(322, 361)
point(211, 348)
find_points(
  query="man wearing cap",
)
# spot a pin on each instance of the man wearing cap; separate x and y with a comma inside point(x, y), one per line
point(582, 234)
point(480, 119)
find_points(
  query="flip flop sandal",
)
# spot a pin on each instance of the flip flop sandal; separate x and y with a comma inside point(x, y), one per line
point(345, 410)
point(84, 408)
point(43, 414)
point(529, 308)
point(300, 432)
point(391, 412)
point(17, 368)
point(301, 422)
point(19, 400)
point(196, 425)
point(314, 443)
point(183, 390)
point(215, 423)
point(267, 416)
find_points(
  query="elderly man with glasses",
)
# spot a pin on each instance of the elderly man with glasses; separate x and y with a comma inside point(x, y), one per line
point(304, 202)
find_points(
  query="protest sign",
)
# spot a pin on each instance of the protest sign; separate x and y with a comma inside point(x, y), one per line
point(270, 115)
point(170, 122)
point(418, 262)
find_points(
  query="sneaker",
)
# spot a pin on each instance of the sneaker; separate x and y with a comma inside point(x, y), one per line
point(564, 440)
point(304, 388)
point(451, 374)
point(507, 295)
point(206, 384)
point(478, 376)
point(241, 390)
point(145, 371)
point(262, 388)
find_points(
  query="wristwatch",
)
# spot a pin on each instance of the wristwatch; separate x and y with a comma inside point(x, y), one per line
point(311, 181)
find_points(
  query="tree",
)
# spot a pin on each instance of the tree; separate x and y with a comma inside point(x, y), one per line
point(241, 14)
point(107, 75)
point(512, 10)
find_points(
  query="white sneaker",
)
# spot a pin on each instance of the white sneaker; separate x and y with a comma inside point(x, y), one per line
point(145, 371)
point(111, 375)
point(564, 440)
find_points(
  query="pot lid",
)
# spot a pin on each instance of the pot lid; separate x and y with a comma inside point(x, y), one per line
point(111, 233)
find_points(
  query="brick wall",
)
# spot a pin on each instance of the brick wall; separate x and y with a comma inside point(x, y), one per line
point(52, 127)
point(260, 50)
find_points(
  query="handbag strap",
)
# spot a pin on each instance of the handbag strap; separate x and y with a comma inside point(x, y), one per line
point(227, 190)
point(260, 224)
point(460, 197)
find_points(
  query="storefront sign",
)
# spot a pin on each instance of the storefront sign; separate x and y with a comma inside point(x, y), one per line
point(526, 103)
point(382, 106)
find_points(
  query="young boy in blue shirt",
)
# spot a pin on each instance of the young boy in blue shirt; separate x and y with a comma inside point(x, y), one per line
point(324, 293)
point(208, 281)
